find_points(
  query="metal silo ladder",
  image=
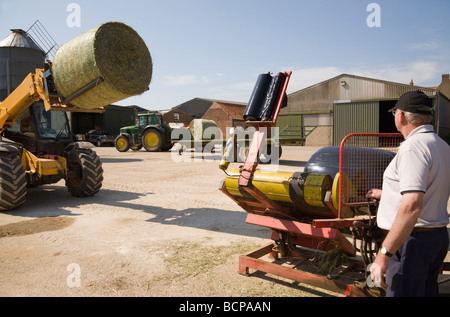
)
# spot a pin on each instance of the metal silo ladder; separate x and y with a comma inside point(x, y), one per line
point(43, 39)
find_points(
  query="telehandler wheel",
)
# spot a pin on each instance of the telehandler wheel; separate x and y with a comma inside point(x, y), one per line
point(13, 181)
point(122, 143)
point(85, 173)
point(152, 140)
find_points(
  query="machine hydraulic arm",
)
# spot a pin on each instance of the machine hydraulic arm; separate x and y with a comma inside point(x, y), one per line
point(38, 86)
point(29, 91)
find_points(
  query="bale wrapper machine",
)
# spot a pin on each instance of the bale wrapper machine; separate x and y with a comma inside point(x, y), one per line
point(323, 227)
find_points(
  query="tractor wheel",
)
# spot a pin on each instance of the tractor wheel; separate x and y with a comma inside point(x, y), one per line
point(13, 181)
point(167, 148)
point(122, 143)
point(85, 173)
point(152, 140)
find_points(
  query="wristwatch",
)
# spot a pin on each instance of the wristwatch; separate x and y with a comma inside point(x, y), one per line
point(385, 252)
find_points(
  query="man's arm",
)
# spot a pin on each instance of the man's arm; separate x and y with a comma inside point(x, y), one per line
point(407, 216)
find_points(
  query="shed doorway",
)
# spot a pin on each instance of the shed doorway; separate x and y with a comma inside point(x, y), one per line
point(387, 123)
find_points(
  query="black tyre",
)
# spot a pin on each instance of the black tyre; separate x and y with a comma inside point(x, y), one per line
point(167, 148)
point(122, 143)
point(152, 140)
point(85, 173)
point(13, 181)
point(136, 148)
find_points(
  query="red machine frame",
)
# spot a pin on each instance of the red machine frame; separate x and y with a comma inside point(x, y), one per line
point(322, 234)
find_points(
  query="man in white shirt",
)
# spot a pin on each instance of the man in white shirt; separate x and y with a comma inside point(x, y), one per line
point(413, 204)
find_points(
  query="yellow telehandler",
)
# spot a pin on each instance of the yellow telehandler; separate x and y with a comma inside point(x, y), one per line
point(37, 146)
point(87, 73)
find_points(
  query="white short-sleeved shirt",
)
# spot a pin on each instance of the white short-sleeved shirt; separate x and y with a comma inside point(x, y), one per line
point(421, 164)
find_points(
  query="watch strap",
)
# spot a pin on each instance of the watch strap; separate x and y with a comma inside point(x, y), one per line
point(386, 252)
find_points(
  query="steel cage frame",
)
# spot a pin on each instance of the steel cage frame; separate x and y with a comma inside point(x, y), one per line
point(385, 141)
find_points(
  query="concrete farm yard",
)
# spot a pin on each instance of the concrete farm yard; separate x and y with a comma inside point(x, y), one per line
point(156, 228)
point(159, 227)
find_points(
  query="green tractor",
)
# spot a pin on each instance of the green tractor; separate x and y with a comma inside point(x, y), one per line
point(150, 133)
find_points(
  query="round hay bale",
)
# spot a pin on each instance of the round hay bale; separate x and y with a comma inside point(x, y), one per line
point(113, 51)
point(198, 127)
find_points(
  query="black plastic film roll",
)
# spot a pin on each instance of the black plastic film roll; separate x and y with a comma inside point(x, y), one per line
point(271, 98)
point(258, 98)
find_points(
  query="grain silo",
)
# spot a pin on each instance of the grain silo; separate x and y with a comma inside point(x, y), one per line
point(19, 56)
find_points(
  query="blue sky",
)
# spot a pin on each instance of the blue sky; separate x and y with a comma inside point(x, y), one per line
point(217, 48)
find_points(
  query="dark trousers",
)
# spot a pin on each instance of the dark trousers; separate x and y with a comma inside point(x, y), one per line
point(413, 271)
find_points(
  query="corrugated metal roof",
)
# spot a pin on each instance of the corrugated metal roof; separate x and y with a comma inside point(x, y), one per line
point(199, 106)
point(347, 87)
point(344, 77)
point(19, 38)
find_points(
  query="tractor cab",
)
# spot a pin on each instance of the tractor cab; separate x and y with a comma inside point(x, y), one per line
point(146, 119)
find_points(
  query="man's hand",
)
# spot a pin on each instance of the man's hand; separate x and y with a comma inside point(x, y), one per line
point(374, 194)
point(378, 270)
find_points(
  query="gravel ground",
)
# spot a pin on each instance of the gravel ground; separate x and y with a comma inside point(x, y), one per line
point(158, 227)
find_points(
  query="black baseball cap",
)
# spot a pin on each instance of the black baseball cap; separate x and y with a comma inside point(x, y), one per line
point(411, 101)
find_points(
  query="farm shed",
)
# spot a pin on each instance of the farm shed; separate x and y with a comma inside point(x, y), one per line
point(316, 105)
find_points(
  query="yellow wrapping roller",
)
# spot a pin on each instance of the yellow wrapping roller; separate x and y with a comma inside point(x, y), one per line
point(274, 185)
point(315, 189)
point(293, 188)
